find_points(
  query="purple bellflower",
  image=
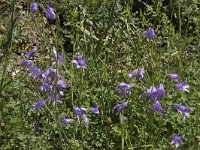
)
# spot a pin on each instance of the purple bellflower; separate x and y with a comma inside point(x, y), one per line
point(176, 140)
point(95, 110)
point(138, 75)
point(80, 112)
point(51, 73)
point(80, 62)
point(34, 7)
point(46, 87)
point(182, 86)
point(183, 110)
point(120, 107)
point(154, 94)
point(174, 77)
point(157, 108)
point(35, 72)
point(65, 121)
point(31, 53)
point(61, 85)
point(50, 14)
point(26, 63)
point(60, 58)
point(149, 33)
point(39, 104)
point(124, 88)
point(132, 74)
point(54, 98)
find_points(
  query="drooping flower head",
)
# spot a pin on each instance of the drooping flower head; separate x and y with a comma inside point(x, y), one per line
point(149, 33)
point(50, 14)
point(65, 121)
point(80, 62)
point(34, 7)
point(39, 104)
point(124, 88)
point(176, 140)
point(174, 77)
point(157, 108)
point(182, 86)
point(120, 107)
point(95, 110)
point(183, 110)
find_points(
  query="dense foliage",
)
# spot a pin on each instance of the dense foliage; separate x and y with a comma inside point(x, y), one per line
point(100, 74)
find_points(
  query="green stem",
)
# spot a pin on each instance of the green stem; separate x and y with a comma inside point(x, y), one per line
point(9, 44)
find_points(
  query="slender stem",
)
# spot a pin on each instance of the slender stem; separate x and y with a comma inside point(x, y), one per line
point(9, 44)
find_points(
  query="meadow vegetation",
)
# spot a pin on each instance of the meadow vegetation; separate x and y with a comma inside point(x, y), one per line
point(100, 74)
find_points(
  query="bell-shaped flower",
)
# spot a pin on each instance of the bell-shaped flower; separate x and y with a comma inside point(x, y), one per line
point(183, 110)
point(50, 14)
point(34, 7)
point(31, 53)
point(182, 86)
point(176, 140)
point(124, 89)
point(39, 104)
point(35, 72)
point(80, 62)
point(65, 121)
point(95, 110)
point(120, 107)
point(174, 77)
point(157, 108)
point(26, 63)
point(149, 33)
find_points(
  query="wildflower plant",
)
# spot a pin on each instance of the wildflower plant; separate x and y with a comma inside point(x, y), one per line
point(51, 92)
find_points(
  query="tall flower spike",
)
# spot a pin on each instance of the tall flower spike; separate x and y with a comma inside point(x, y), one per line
point(34, 7)
point(50, 14)
point(183, 110)
point(120, 107)
point(182, 86)
point(174, 77)
point(124, 88)
point(149, 33)
point(80, 62)
point(176, 140)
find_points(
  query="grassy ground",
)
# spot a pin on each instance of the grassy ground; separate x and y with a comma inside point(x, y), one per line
point(110, 33)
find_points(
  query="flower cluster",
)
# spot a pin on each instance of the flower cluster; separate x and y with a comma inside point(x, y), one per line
point(50, 81)
point(49, 12)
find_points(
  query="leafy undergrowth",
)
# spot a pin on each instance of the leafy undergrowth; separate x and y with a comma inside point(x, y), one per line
point(100, 75)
